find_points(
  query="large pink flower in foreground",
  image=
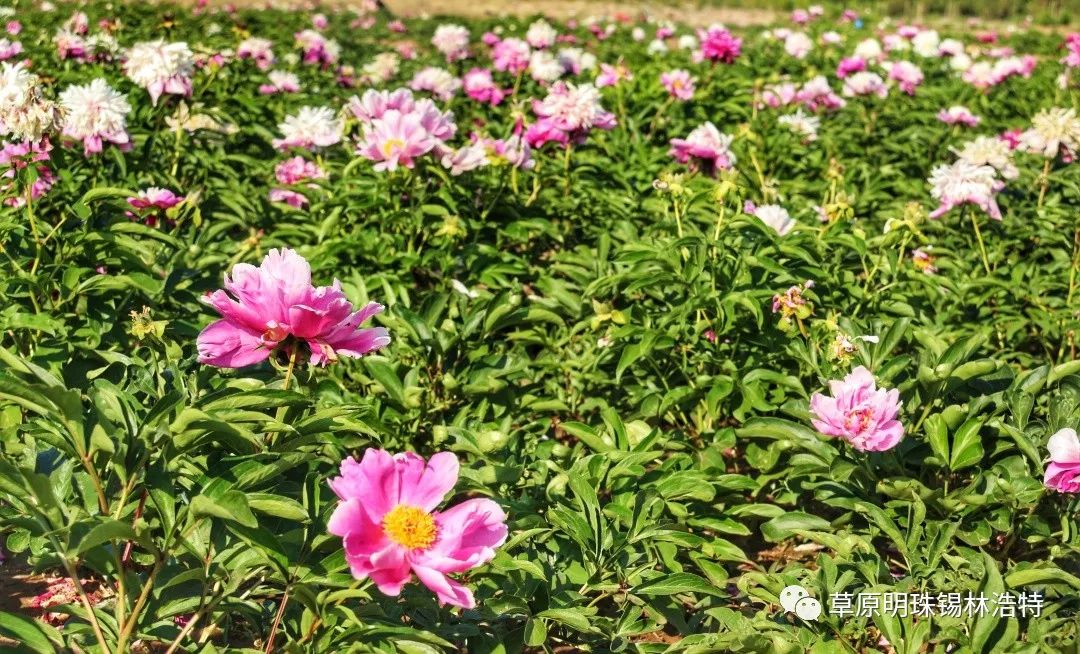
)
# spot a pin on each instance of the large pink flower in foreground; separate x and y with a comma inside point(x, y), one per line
point(859, 412)
point(1063, 472)
point(391, 530)
point(275, 305)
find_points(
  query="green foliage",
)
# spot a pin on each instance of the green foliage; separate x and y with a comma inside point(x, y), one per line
point(614, 376)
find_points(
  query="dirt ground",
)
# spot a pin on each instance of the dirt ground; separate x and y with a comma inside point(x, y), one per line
point(583, 9)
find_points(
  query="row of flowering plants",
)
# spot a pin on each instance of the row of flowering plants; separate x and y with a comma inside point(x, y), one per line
point(337, 331)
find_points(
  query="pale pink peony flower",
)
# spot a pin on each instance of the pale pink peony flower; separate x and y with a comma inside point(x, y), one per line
point(13, 27)
point(275, 305)
point(317, 49)
point(718, 45)
point(679, 83)
point(705, 149)
point(958, 115)
point(438, 81)
point(575, 109)
point(859, 412)
point(907, 76)
point(288, 196)
point(161, 67)
point(775, 217)
point(964, 183)
point(467, 158)
point(1063, 471)
point(9, 49)
point(452, 41)
point(781, 94)
point(395, 139)
point(541, 34)
point(258, 50)
point(95, 114)
point(612, 75)
point(865, 83)
point(391, 531)
point(373, 103)
point(798, 44)
point(280, 82)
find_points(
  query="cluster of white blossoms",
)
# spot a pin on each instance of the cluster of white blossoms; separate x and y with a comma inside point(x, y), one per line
point(964, 182)
point(1051, 131)
point(990, 151)
point(25, 114)
point(311, 128)
point(802, 124)
point(95, 113)
point(161, 67)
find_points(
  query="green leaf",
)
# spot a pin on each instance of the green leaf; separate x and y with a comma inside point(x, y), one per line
point(678, 582)
point(31, 635)
point(232, 505)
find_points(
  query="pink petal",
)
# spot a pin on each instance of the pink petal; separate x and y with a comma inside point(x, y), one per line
point(446, 590)
point(227, 345)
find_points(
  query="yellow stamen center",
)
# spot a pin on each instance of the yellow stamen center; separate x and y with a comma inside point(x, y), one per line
point(410, 527)
point(389, 145)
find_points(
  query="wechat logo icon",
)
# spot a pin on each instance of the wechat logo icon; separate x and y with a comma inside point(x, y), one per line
point(795, 599)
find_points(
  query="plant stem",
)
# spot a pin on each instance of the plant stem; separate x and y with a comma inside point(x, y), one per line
point(128, 627)
point(277, 622)
point(566, 169)
point(1044, 180)
point(982, 246)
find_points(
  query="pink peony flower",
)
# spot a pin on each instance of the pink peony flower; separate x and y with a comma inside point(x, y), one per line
point(297, 170)
point(1072, 44)
point(480, 86)
point(850, 65)
point(545, 131)
point(511, 55)
point(155, 198)
point(817, 95)
point(718, 45)
point(859, 412)
point(395, 139)
point(276, 306)
point(1063, 472)
point(317, 49)
point(14, 27)
point(705, 148)
point(678, 83)
point(390, 529)
point(1013, 137)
